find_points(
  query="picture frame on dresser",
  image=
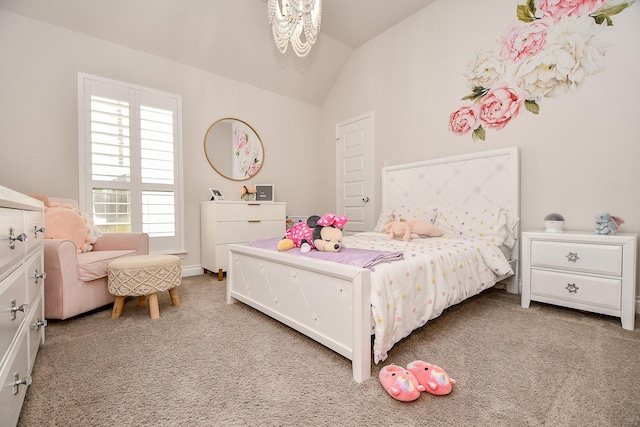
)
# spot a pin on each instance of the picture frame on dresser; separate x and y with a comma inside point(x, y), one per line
point(216, 194)
point(265, 193)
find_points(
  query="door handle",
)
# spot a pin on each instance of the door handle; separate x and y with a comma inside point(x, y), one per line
point(365, 199)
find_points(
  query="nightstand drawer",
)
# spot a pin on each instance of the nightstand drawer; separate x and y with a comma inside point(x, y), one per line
point(601, 259)
point(595, 291)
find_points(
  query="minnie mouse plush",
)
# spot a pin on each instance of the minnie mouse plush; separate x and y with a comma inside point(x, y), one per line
point(321, 233)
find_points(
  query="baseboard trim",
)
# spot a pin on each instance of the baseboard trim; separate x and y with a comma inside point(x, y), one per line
point(193, 270)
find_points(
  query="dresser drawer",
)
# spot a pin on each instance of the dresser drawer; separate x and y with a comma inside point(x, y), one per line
point(246, 231)
point(12, 288)
point(33, 221)
point(34, 272)
point(10, 218)
point(602, 259)
point(575, 288)
point(249, 212)
point(16, 363)
point(35, 323)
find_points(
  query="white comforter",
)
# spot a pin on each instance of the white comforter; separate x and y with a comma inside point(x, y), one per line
point(437, 272)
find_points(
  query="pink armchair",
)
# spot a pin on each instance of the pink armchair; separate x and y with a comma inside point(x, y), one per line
point(77, 283)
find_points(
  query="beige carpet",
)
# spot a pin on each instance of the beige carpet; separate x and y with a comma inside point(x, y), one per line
point(206, 363)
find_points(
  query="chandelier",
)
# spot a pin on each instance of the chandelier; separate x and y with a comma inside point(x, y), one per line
point(295, 21)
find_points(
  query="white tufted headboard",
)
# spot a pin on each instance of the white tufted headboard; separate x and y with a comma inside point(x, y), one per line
point(482, 179)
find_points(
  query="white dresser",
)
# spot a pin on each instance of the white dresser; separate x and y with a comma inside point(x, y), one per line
point(225, 222)
point(581, 270)
point(21, 297)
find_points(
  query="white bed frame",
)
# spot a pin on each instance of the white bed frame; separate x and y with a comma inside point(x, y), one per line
point(330, 302)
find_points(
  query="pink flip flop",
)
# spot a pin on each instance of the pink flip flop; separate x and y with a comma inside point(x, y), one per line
point(433, 378)
point(400, 383)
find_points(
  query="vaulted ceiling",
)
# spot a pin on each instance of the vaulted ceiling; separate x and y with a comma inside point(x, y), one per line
point(231, 38)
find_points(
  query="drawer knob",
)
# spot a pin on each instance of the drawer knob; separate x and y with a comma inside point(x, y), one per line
point(37, 276)
point(15, 308)
point(40, 324)
point(12, 238)
point(572, 288)
point(37, 230)
point(17, 382)
point(572, 257)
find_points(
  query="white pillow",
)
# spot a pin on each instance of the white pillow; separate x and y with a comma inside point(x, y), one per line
point(492, 224)
point(386, 216)
point(416, 213)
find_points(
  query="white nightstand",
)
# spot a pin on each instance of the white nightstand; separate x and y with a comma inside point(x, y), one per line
point(581, 270)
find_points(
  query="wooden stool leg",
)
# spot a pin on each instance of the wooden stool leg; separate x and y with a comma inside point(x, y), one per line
point(154, 310)
point(220, 275)
point(175, 299)
point(142, 300)
point(117, 307)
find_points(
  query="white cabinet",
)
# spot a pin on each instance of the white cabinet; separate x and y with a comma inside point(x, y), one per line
point(225, 222)
point(21, 297)
point(581, 270)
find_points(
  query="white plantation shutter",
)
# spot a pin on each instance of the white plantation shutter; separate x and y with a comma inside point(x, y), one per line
point(110, 147)
point(130, 160)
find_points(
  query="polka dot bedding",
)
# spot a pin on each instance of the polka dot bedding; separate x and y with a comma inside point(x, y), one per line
point(436, 273)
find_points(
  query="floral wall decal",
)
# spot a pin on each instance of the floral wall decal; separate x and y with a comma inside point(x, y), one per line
point(548, 52)
point(248, 155)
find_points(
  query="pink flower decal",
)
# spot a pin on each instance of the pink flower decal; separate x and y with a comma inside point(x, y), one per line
point(558, 8)
point(520, 40)
point(332, 219)
point(253, 168)
point(241, 139)
point(499, 106)
point(464, 120)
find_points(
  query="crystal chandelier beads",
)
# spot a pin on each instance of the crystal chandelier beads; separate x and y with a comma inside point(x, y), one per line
point(295, 21)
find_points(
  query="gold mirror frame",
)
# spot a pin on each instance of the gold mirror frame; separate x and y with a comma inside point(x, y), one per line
point(234, 149)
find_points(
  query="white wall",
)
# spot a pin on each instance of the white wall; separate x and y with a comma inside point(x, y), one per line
point(579, 156)
point(38, 118)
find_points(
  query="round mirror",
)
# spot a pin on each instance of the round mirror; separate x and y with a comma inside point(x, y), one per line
point(234, 149)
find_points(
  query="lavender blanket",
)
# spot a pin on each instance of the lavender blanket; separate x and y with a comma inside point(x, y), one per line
point(363, 258)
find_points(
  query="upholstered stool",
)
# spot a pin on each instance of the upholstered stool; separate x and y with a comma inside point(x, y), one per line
point(142, 276)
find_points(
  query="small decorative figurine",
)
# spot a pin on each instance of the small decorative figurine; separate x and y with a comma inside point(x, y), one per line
point(607, 223)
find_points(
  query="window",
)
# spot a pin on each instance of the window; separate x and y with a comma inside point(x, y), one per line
point(129, 143)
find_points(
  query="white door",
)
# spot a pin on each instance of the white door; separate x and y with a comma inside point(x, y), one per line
point(354, 172)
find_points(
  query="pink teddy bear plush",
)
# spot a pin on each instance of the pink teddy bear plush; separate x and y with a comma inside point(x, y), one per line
point(405, 229)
